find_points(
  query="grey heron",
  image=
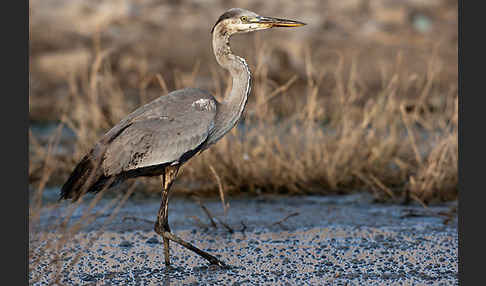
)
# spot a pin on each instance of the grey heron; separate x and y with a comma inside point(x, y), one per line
point(159, 137)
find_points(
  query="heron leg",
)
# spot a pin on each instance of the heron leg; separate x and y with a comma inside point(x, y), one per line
point(165, 226)
point(162, 224)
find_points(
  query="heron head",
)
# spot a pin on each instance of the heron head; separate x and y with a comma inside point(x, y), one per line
point(237, 20)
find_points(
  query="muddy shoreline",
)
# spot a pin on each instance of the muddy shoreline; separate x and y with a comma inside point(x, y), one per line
point(276, 240)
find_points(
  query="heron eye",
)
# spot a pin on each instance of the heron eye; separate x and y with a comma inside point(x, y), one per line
point(244, 18)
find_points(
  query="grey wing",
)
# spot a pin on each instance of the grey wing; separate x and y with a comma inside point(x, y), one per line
point(162, 133)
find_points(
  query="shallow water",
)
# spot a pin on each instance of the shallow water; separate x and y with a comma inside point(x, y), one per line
point(276, 240)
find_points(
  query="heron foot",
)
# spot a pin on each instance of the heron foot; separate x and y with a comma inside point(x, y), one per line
point(211, 259)
point(215, 264)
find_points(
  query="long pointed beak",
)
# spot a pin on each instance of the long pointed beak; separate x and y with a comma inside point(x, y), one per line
point(276, 22)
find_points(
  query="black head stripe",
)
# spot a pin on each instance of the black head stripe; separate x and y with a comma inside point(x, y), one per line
point(228, 14)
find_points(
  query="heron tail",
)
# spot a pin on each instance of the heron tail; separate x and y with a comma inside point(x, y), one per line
point(86, 177)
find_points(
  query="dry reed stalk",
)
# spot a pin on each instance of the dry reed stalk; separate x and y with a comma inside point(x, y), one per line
point(60, 226)
point(162, 83)
point(77, 227)
point(221, 190)
point(34, 209)
point(437, 177)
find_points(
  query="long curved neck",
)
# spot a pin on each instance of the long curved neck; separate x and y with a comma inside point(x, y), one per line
point(231, 108)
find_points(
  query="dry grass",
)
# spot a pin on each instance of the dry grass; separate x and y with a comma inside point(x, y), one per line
point(292, 140)
point(53, 249)
point(327, 114)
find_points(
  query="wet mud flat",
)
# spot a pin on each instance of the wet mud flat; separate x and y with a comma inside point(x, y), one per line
point(274, 240)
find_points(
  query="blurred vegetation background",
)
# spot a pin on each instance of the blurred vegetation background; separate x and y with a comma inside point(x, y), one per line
point(363, 98)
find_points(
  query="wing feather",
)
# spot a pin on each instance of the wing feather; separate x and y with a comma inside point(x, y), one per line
point(161, 132)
